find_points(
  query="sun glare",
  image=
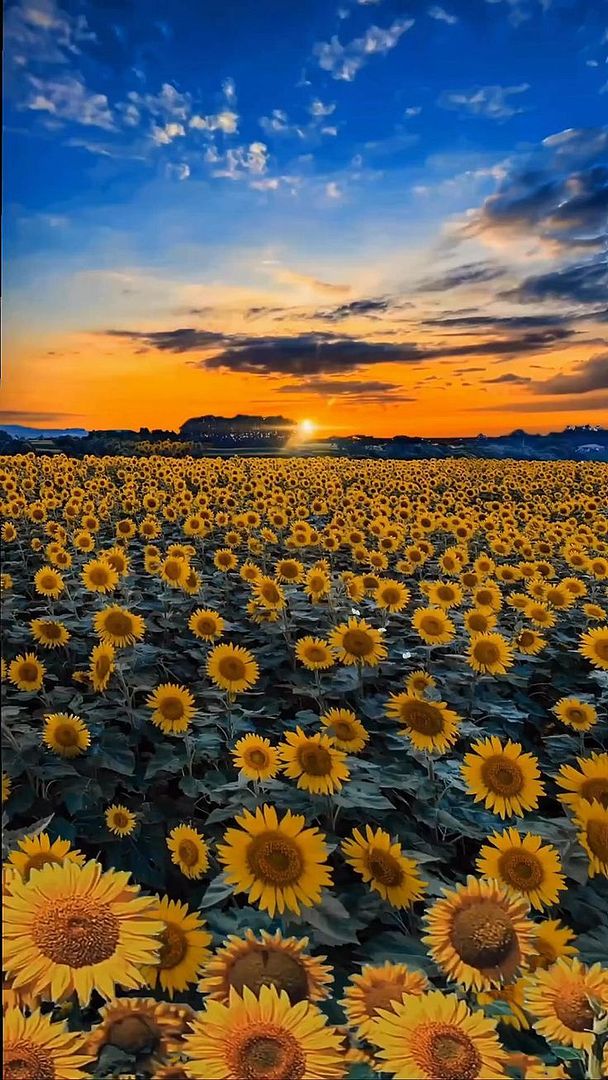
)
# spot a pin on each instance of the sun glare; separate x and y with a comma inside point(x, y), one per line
point(306, 428)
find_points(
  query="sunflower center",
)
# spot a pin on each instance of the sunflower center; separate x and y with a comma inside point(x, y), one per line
point(257, 758)
point(120, 820)
point(173, 948)
point(28, 672)
point(98, 575)
point(444, 592)
point(102, 666)
point(486, 652)
point(315, 760)
point(188, 853)
point(275, 858)
point(357, 643)
point(316, 653)
point(444, 1050)
point(118, 623)
point(205, 625)
point(270, 967)
point(600, 646)
point(597, 838)
point(423, 718)
point(595, 789)
point(66, 735)
point(270, 593)
point(76, 931)
point(290, 570)
point(173, 569)
point(527, 638)
point(51, 630)
point(48, 581)
point(25, 1060)
point(484, 597)
point(134, 1034)
point(575, 714)
point(267, 1052)
point(482, 934)
point(431, 625)
point(502, 775)
point(521, 870)
point(572, 1007)
point(385, 868)
point(316, 582)
point(172, 708)
point(231, 668)
point(391, 595)
point(343, 730)
point(382, 995)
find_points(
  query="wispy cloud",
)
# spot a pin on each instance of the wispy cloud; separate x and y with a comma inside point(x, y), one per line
point(491, 102)
point(345, 61)
point(441, 15)
point(67, 98)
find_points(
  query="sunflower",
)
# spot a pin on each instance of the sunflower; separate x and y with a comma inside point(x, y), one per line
point(539, 613)
point(594, 612)
point(101, 666)
point(206, 624)
point(270, 960)
point(225, 560)
point(525, 865)
point(382, 864)
point(49, 634)
point(120, 820)
point(433, 626)
point(314, 653)
point(141, 1028)
point(99, 576)
point(119, 627)
point(7, 786)
point(589, 782)
point(551, 941)
point(478, 621)
point(49, 582)
point(74, 928)
point(34, 852)
point(489, 654)
point(479, 934)
point(391, 595)
point(434, 1035)
point(279, 864)
point(173, 708)
point(65, 734)
point(429, 725)
point(575, 713)
point(33, 1046)
point(188, 851)
point(529, 642)
point(232, 668)
point(183, 950)
point(347, 732)
point(314, 761)
point(118, 560)
point(592, 821)
point(264, 1037)
point(256, 757)
point(444, 594)
point(379, 988)
point(502, 777)
point(289, 570)
point(317, 584)
point(419, 682)
point(512, 995)
point(26, 672)
point(174, 1070)
point(356, 642)
point(565, 999)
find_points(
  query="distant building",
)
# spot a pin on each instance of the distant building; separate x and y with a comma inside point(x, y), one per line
point(242, 430)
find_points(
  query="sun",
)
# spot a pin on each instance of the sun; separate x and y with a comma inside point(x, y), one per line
point(306, 428)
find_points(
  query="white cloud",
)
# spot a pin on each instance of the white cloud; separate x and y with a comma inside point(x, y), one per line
point(278, 124)
point(162, 136)
point(169, 103)
point(242, 162)
point(179, 171)
point(67, 98)
point(489, 101)
point(344, 61)
point(333, 190)
point(413, 110)
point(441, 15)
point(40, 31)
point(225, 121)
point(229, 90)
point(317, 108)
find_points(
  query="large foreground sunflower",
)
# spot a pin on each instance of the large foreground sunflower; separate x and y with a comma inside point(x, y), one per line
point(232, 668)
point(594, 645)
point(68, 736)
point(271, 960)
point(592, 821)
point(264, 1038)
point(119, 627)
point(564, 999)
point(34, 1047)
point(525, 865)
point(382, 864)
point(34, 852)
point(589, 781)
point(376, 988)
point(356, 642)
point(479, 934)
point(73, 929)
point(172, 708)
point(183, 947)
point(279, 864)
point(314, 762)
point(434, 1036)
point(429, 725)
point(502, 777)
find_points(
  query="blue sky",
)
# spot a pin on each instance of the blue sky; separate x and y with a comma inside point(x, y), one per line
point(237, 169)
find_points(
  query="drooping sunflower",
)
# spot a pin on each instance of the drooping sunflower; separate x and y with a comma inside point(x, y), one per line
point(119, 627)
point(142, 1028)
point(188, 851)
point(65, 734)
point(270, 960)
point(444, 594)
point(172, 708)
point(49, 582)
point(26, 672)
point(529, 642)
point(174, 570)
point(99, 576)
point(594, 612)
point(264, 1037)
point(574, 713)
point(7, 786)
point(594, 646)
point(232, 668)
point(429, 725)
point(356, 642)
point(591, 818)
point(206, 624)
point(314, 653)
point(279, 864)
point(564, 999)
point(256, 757)
point(73, 929)
point(317, 584)
point(489, 654)
point(347, 732)
point(434, 1035)
point(118, 560)
point(268, 593)
point(512, 995)
point(183, 950)
point(34, 852)
point(377, 988)
point(589, 781)
point(49, 633)
point(524, 865)
point(391, 595)
point(314, 762)
point(551, 941)
point(479, 934)
point(433, 626)
point(101, 666)
point(33, 1046)
point(419, 682)
point(120, 820)
point(381, 863)
point(503, 777)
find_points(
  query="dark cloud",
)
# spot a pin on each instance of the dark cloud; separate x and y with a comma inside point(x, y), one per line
point(361, 391)
point(371, 307)
point(182, 340)
point(586, 377)
point(470, 274)
point(584, 283)
point(509, 377)
point(475, 323)
point(580, 403)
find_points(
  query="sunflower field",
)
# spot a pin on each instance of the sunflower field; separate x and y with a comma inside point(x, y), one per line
point(304, 769)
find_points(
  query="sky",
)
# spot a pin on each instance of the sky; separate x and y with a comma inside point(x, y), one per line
point(379, 216)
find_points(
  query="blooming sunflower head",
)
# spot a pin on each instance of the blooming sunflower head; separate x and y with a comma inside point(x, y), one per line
point(26, 672)
point(551, 941)
point(188, 851)
point(34, 852)
point(172, 708)
point(524, 865)
point(232, 668)
point(594, 646)
point(142, 1028)
point(589, 781)
point(314, 762)
point(119, 627)
point(314, 653)
point(184, 949)
point(256, 757)
point(489, 654)
point(346, 731)
point(101, 666)
point(502, 776)
point(356, 642)
point(564, 1000)
point(49, 633)
point(67, 735)
point(433, 625)
point(206, 624)
point(577, 714)
point(120, 820)
point(591, 819)
point(382, 864)
point(270, 960)
point(99, 576)
point(377, 988)
point(35, 1046)
point(429, 725)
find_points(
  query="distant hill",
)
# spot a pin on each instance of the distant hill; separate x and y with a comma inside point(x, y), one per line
point(19, 431)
